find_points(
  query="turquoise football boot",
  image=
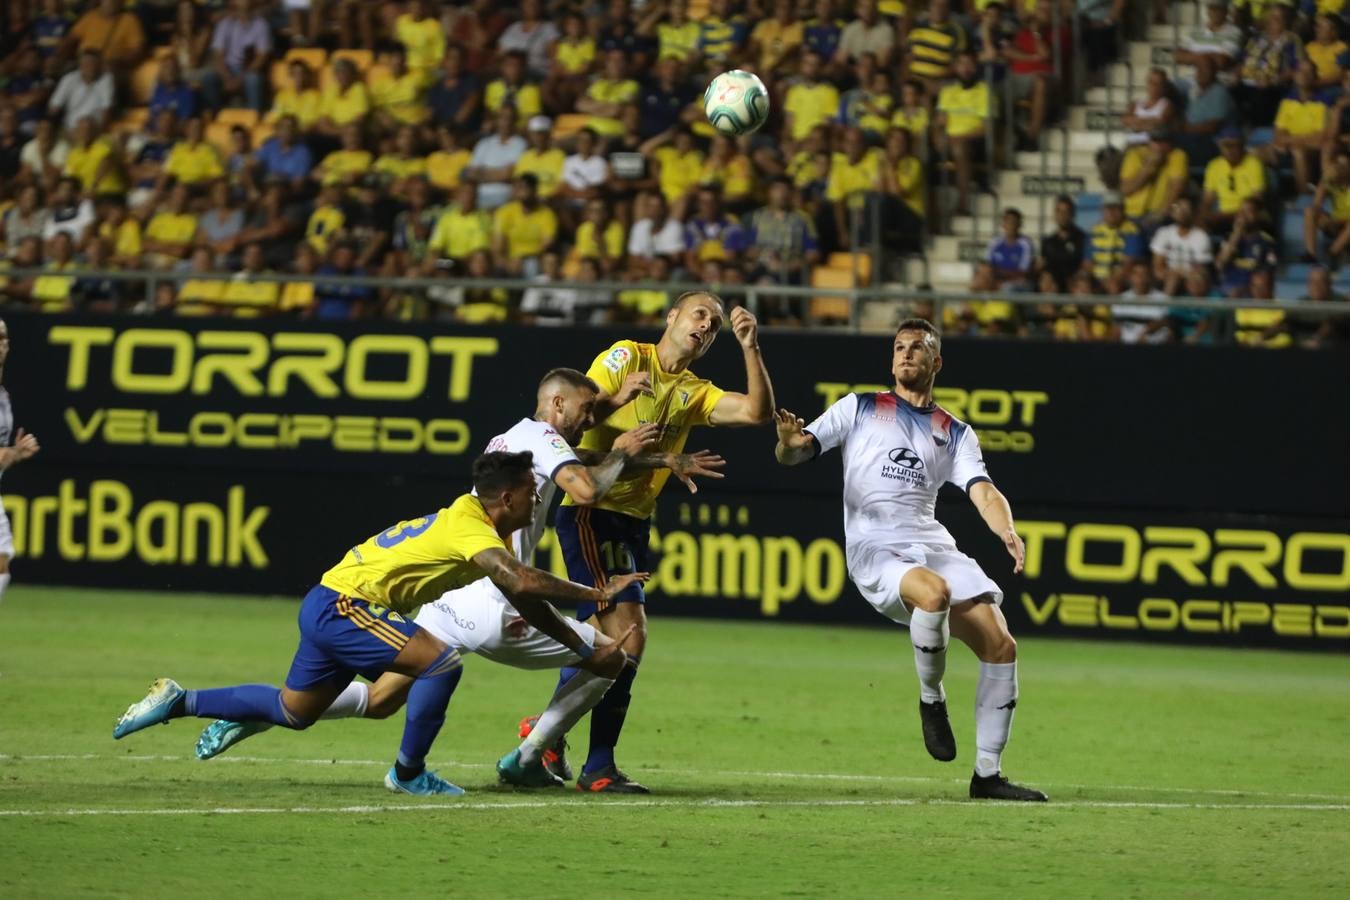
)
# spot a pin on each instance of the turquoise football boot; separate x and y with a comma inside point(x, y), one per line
point(153, 709)
point(533, 775)
point(426, 784)
point(222, 734)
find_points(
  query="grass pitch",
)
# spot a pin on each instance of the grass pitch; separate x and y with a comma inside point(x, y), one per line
point(785, 761)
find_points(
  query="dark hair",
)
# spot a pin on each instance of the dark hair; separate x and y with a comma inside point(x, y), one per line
point(1065, 198)
point(1013, 211)
point(497, 472)
point(917, 324)
point(529, 179)
point(571, 378)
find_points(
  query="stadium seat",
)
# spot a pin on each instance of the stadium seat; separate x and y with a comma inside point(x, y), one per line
point(698, 9)
point(377, 73)
point(830, 307)
point(1289, 288)
point(315, 57)
point(279, 75)
point(218, 136)
point(568, 124)
point(362, 59)
point(234, 116)
point(261, 132)
point(1291, 234)
point(133, 119)
point(845, 262)
point(143, 81)
point(1296, 272)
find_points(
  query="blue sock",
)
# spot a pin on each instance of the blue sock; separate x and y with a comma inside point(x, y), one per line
point(565, 675)
point(427, 700)
point(242, 703)
point(607, 720)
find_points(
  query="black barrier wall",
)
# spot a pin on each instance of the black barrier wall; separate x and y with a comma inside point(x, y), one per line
point(1165, 493)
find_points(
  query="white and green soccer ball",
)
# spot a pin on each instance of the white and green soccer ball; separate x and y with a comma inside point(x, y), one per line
point(736, 102)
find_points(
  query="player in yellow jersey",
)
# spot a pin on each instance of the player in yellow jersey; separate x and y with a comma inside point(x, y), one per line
point(640, 384)
point(356, 621)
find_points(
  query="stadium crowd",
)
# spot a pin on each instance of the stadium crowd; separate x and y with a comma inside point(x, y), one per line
point(565, 141)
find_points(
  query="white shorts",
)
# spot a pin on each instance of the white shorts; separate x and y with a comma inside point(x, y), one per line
point(6, 536)
point(479, 619)
point(877, 571)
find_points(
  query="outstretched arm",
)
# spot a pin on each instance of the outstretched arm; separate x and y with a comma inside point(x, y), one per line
point(755, 406)
point(684, 466)
point(586, 484)
point(795, 446)
point(997, 514)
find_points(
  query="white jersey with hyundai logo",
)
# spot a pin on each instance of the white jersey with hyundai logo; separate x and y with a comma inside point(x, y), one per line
point(551, 452)
point(896, 457)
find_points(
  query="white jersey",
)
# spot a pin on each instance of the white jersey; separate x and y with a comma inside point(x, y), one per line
point(551, 453)
point(6, 419)
point(896, 457)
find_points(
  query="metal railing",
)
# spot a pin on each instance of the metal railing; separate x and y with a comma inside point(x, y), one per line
point(751, 294)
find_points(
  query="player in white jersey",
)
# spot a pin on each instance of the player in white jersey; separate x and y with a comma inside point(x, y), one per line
point(25, 445)
point(899, 449)
point(479, 618)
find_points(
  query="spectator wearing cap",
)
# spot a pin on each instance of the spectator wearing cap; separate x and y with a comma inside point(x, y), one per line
point(1114, 245)
point(1216, 39)
point(1329, 54)
point(523, 229)
point(542, 159)
point(513, 90)
point(531, 36)
point(455, 99)
point(1152, 177)
point(1231, 177)
point(811, 101)
point(111, 31)
point(1012, 255)
point(868, 33)
point(241, 47)
point(1064, 249)
point(494, 160)
point(1269, 61)
point(608, 94)
point(1299, 127)
point(1209, 108)
point(1247, 250)
point(1179, 247)
point(87, 91)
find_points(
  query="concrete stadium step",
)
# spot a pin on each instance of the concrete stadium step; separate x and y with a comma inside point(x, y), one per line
point(1054, 162)
point(1082, 142)
point(1033, 184)
point(1096, 118)
point(952, 275)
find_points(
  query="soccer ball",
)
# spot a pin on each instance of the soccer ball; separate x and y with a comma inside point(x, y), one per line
point(736, 102)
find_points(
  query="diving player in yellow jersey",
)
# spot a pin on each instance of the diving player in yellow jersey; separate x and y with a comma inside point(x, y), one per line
point(640, 384)
point(355, 621)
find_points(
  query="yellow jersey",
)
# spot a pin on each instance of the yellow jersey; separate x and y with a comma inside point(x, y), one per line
point(1301, 118)
point(83, 162)
point(305, 106)
point(966, 108)
point(398, 167)
point(546, 166)
point(323, 226)
point(1152, 197)
point(339, 164)
point(344, 107)
point(1340, 201)
point(526, 99)
point(172, 228)
point(809, 106)
point(528, 233)
point(610, 244)
point(677, 41)
point(417, 560)
point(680, 172)
point(574, 58)
point(193, 163)
point(682, 400)
point(401, 98)
point(849, 181)
point(735, 178)
point(458, 235)
point(126, 238)
point(910, 182)
point(1232, 184)
point(444, 167)
point(605, 90)
point(775, 41)
point(1328, 59)
point(424, 43)
point(914, 121)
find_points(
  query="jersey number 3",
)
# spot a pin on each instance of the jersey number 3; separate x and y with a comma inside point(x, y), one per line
point(404, 530)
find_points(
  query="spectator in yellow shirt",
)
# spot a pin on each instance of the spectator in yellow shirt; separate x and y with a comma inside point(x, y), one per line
point(775, 42)
point(246, 296)
point(542, 159)
point(398, 169)
point(678, 164)
point(602, 238)
point(1300, 123)
point(912, 114)
point(730, 170)
point(51, 293)
point(192, 160)
point(570, 69)
point(1230, 178)
point(963, 108)
point(298, 98)
point(902, 177)
point(461, 231)
point(448, 160)
point(677, 35)
point(854, 174)
point(809, 102)
point(607, 96)
point(1329, 54)
point(399, 99)
point(1334, 223)
point(169, 236)
point(327, 221)
point(122, 233)
point(94, 161)
point(1152, 178)
point(348, 165)
point(345, 101)
point(513, 90)
point(523, 229)
point(112, 31)
point(423, 40)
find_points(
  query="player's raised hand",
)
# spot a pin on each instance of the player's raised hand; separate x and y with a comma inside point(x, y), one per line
point(790, 429)
point(745, 327)
point(609, 658)
point(704, 464)
point(1016, 549)
point(25, 446)
point(636, 383)
point(633, 442)
point(619, 583)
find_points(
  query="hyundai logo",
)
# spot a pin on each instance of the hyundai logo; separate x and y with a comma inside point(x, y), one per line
point(903, 456)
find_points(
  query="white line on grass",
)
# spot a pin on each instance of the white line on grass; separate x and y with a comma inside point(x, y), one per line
point(709, 803)
point(809, 776)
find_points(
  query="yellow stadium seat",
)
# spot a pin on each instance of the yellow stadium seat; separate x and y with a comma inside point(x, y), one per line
point(569, 124)
point(376, 73)
point(698, 9)
point(314, 57)
point(362, 59)
point(162, 52)
point(143, 81)
point(280, 75)
point(218, 136)
point(830, 307)
point(133, 119)
point(261, 132)
point(845, 261)
point(234, 116)
point(571, 268)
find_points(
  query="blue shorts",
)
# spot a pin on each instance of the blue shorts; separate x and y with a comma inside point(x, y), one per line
point(341, 637)
point(596, 544)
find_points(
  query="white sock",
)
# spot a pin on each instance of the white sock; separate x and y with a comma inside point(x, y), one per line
point(929, 632)
point(4, 583)
point(995, 699)
point(566, 708)
point(350, 704)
